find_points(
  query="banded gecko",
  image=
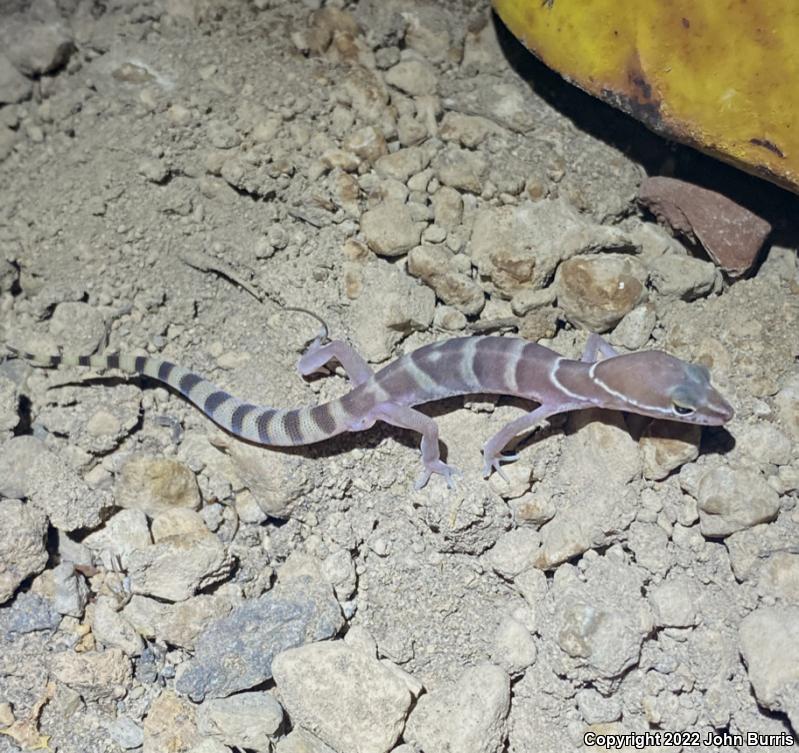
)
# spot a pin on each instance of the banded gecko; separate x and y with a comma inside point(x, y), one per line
point(650, 383)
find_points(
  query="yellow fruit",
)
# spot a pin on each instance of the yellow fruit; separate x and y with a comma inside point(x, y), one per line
point(721, 76)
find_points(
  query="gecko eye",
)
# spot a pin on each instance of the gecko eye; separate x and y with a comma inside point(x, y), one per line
point(682, 410)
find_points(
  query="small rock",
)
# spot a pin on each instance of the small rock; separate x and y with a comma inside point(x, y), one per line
point(170, 724)
point(368, 143)
point(14, 87)
point(468, 130)
point(468, 716)
point(667, 445)
point(447, 207)
point(391, 306)
point(236, 652)
point(222, 136)
point(29, 470)
point(514, 552)
point(731, 500)
point(154, 485)
point(595, 708)
point(461, 169)
point(302, 741)
point(339, 569)
point(70, 592)
point(780, 577)
point(126, 733)
point(95, 675)
point(180, 522)
point(245, 720)
point(765, 443)
point(348, 699)
point(769, 639)
point(36, 48)
point(178, 624)
point(635, 329)
point(787, 402)
point(277, 481)
point(402, 164)
point(514, 647)
point(596, 292)
point(111, 629)
point(413, 77)
point(434, 265)
point(177, 567)
point(682, 277)
point(122, 534)
point(674, 602)
point(389, 228)
point(731, 234)
point(22, 545)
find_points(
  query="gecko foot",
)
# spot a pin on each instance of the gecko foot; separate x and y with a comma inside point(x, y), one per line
point(438, 466)
point(492, 463)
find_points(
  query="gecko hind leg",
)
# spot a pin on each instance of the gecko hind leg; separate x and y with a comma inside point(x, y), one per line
point(492, 449)
point(408, 418)
point(317, 355)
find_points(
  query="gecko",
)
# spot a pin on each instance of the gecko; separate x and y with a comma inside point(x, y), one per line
point(650, 383)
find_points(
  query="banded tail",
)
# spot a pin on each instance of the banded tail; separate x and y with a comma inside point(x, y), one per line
point(256, 423)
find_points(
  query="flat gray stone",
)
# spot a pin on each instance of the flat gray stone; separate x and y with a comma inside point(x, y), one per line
point(235, 653)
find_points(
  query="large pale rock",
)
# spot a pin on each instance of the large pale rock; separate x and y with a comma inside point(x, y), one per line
point(245, 720)
point(96, 675)
point(22, 545)
point(154, 485)
point(344, 696)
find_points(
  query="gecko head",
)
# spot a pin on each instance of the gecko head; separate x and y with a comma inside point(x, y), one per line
point(653, 383)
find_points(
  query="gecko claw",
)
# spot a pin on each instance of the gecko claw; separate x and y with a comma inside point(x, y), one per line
point(440, 467)
point(492, 463)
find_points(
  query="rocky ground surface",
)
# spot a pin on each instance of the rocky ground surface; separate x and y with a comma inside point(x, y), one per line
point(173, 174)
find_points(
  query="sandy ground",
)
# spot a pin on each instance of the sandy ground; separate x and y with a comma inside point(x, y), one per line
point(173, 175)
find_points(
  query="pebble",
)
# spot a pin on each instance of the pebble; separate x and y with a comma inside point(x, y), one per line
point(68, 589)
point(389, 228)
point(28, 613)
point(787, 402)
point(277, 481)
point(245, 720)
point(402, 164)
point(35, 48)
point(302, 741)
point(514, 552)
point(668, 445)
point(765, 443)
point(414, 77)
point(345, 697)
point(779, 577)
point(467, 716)
point(468, 130)
point(391, 306)
point(447, 207)
point(14, 87)
point(596, 292)
point(126, 733)
point(178, 624)
point(110, 628)
point(22, 545)
point(123, 533)
point(674, 602)
point(367, 143)
point(732, 235)
point(730, 500)
point(236, 652)
point(156, 484)
point(461, 169)
point(596, 708)
point(769, 641)
point(434, 265)
point(682, 277)
point(95, 675)
point(170, 725)
point(177, 567)
point(514, 648)
point(29, 470)
point(635, 328)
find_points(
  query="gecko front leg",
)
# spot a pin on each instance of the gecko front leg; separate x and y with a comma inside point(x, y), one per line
point(408, 418)
point(597, 345)
point(351, 361)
